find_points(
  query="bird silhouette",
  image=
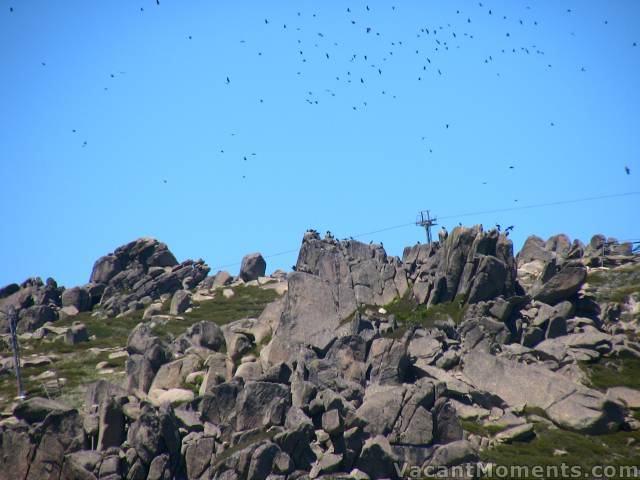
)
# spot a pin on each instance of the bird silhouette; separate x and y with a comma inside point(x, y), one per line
point(627, 170)
point(228, 81)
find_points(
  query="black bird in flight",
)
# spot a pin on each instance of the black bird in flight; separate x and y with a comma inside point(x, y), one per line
point(627, 170)
point(157, 2)
point(228, 81)
point(511, 167)
point(11, 9)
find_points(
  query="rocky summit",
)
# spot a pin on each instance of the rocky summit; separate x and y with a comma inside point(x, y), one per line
point(354, 365)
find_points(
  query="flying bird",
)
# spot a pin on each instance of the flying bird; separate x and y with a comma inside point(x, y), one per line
point(228, 81)
point(627, 170)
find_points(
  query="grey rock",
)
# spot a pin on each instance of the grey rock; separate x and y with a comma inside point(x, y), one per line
point(447, 427)
point(310, 314)
point(197, 456)
point(454, 453)
point(218, 405)
point(262, 404)
point(261, 461)
point(76, 297)
point(388, 360)
point(180, 301)
point(80, 465)
point(328, 463)
point(219, 371)
point(331, 422)
point(569, 405)
point(111, 424)
point(377, 459)
point(519, 433)
point(173, 374)
point(36, 409)
point(204, 334)
point(563, 284)
point(76, 333)
point(110, 465)
point(253, 266)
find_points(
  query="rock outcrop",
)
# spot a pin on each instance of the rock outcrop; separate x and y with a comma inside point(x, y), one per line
point(35, 303)
point(142, 271)
point(471, 265)
point(346, 375)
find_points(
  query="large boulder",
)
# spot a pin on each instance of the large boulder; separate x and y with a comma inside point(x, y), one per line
point(563, 284)
point(202, 334)
point(140, 269)
point(39, 452)
point(401, 413)
point(262, 404)
point(36, 409)
point(77, 297)
point(252, 267)
point(568, 404)
point(311, 313)
point(33, 301)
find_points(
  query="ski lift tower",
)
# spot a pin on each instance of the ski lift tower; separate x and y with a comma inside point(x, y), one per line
point(12, 316)
point(424, 220)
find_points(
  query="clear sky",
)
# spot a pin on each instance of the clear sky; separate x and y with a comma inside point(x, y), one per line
point(342, 116)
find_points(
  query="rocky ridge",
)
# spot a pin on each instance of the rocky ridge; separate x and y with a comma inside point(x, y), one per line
point(362, 362)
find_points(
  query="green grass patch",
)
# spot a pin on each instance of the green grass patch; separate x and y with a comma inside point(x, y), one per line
point(248, 302)
point(619, 372)
point(78, 369)
point(583, 450)
point(483, 430)
point(409, 314)
point(616, 284)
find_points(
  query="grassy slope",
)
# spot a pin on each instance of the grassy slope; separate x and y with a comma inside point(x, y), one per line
point(77, 363)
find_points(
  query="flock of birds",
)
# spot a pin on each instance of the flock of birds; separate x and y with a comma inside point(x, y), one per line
point(370, 67)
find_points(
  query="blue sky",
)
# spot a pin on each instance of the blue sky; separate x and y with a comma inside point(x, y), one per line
point(153, 104)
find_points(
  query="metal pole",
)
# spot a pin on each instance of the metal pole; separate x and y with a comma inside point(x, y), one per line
point(13, 323)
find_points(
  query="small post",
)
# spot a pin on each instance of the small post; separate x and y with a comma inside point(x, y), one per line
point(425, 220)
point(13, 324)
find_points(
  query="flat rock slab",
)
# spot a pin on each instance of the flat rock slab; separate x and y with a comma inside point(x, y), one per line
point(628, 396)
point(521, 433)
point(567, 404)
